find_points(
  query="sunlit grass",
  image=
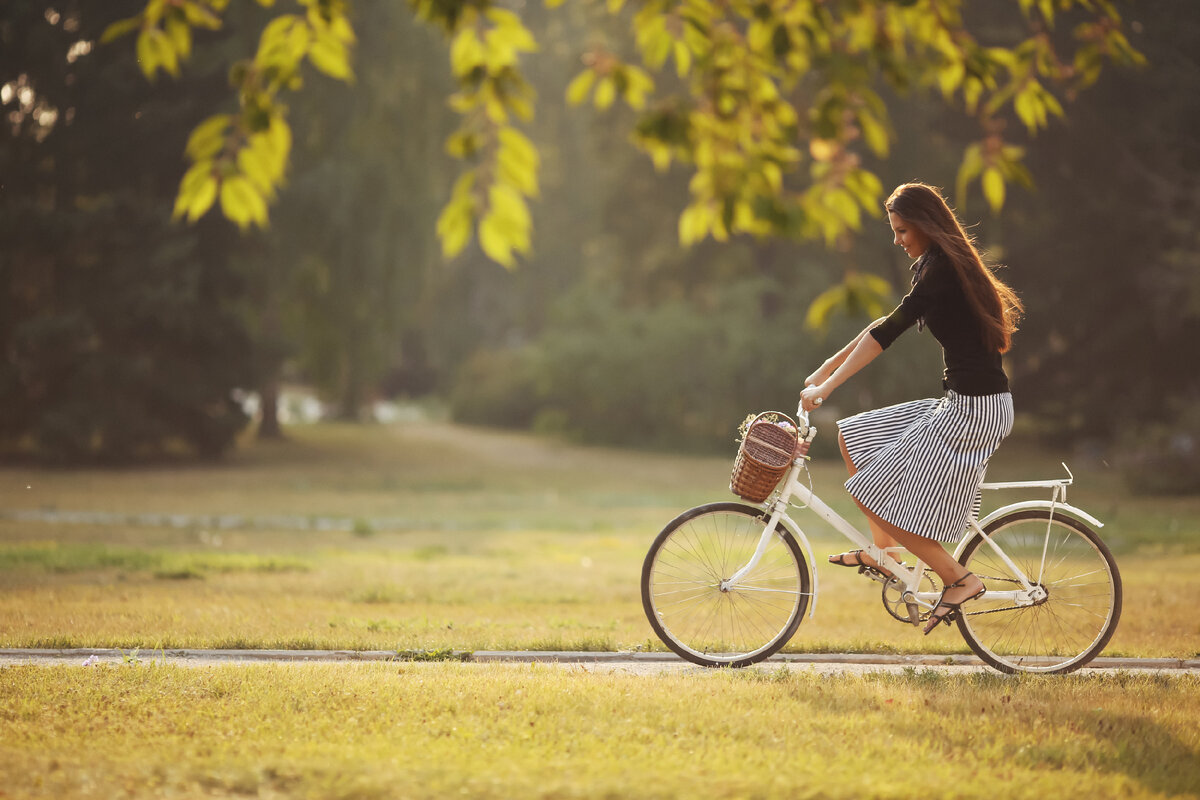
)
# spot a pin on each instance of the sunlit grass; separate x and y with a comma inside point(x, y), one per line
point(469, 540)
point(439, 730)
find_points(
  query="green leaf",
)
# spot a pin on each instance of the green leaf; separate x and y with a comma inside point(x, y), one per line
point(950, 77)
point(637, 85)
point(199, 16)
point(283, 42)
point(519, 146)
point(1051, 104)
point(866, 188)
point(195, 176)
point(580, 85)
point(517, 162)
point(272, 147)
point(242, 203)
point(179, 33)
point(971, 166)
point(462, 144)
point(329, 55)
point(207, 138)
point(507, 205)
point(606, 93)
point(454, 223)
point(1028, 107)
point(202, 199)
point(867, 294)
point(148, 53)
point(494, 243)
point(454, 226)
point(874, 133)
point(693, 224)
point(341, 29)
point(120, 28)
point(466, 52)
point(253, 165)
point(821, 309)
point(1047, 9)
point(842, 203)
point(993, 188)
point(683, 59)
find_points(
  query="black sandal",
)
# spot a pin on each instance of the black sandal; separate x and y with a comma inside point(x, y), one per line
point(840, 560)
point(952, 614)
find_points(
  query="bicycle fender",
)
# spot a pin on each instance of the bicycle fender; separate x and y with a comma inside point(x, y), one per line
point(1027, 505)
point(790, 524)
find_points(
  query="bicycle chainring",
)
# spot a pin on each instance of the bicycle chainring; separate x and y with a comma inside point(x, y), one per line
point(893, 599)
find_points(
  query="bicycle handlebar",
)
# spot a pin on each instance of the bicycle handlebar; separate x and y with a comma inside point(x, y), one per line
point(801, 415)
point(807, 431)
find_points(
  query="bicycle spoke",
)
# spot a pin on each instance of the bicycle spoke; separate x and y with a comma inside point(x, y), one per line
point(1080, 606)
point(688, 569)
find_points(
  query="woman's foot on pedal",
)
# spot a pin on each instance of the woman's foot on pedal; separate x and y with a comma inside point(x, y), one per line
point(859, 559)
point(968, 587)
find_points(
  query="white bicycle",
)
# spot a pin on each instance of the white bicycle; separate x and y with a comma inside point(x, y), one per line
point(727, 584)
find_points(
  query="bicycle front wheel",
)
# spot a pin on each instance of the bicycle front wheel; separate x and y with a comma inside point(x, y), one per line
point(1071, 623)
point(693, 608)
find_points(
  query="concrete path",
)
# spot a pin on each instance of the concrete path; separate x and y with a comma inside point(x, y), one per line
point(639, 663)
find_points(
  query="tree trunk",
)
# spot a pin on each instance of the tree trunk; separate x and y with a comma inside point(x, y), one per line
point(268, 423)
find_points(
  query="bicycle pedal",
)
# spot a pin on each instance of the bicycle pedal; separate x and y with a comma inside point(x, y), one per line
point(873, 574)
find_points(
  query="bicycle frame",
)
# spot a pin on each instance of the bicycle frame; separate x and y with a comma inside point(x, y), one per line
point(1029, 594)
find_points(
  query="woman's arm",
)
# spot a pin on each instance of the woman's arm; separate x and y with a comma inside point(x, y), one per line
point(838, 358)
point(864, 352)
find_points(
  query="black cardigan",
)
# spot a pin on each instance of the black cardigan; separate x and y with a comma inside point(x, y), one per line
point(937, 300)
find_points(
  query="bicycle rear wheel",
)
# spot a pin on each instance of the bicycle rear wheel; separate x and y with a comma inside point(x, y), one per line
point(706, 622)
point(1083, 594)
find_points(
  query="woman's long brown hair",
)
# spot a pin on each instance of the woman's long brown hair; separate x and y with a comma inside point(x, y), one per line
point(997, 306)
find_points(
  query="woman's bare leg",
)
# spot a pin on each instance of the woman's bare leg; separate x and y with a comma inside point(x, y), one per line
point(879, 533)
point(937, 558)
point(927, 550)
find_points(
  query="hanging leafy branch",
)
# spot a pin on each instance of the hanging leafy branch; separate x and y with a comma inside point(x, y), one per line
point(779, 104)
point(240, 159)
point(762, 79)
point(485, 45)
point(775, 105)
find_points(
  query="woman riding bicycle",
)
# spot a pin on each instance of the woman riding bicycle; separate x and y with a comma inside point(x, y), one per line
point(915, 468)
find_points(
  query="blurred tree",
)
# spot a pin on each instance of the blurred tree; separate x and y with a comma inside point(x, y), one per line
point(118, 331)
point(354, 236)
point(1108, 249)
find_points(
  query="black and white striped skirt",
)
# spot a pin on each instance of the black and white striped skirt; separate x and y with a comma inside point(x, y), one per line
point(919, 464)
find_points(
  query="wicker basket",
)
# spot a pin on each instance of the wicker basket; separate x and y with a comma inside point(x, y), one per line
point(764, 455)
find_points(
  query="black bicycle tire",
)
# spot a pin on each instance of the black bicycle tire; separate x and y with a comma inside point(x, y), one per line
point(1097, 645)
point(771, 648)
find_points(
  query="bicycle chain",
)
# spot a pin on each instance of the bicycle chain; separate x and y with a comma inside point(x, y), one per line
point(888, 606)
point(995, 610)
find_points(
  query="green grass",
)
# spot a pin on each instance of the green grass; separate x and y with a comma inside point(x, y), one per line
point(434, 730)
point(55, 557)
point(465, 539)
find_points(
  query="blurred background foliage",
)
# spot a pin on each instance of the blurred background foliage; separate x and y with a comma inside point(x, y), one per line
point(127, 335)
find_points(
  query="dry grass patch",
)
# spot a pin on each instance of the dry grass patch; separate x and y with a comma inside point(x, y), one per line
point(496, 541)
point(436, 730)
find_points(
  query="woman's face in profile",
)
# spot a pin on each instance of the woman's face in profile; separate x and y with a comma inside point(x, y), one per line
point(908, 236)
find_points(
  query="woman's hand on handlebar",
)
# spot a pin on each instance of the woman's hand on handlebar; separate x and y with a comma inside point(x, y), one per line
point(813, 396)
